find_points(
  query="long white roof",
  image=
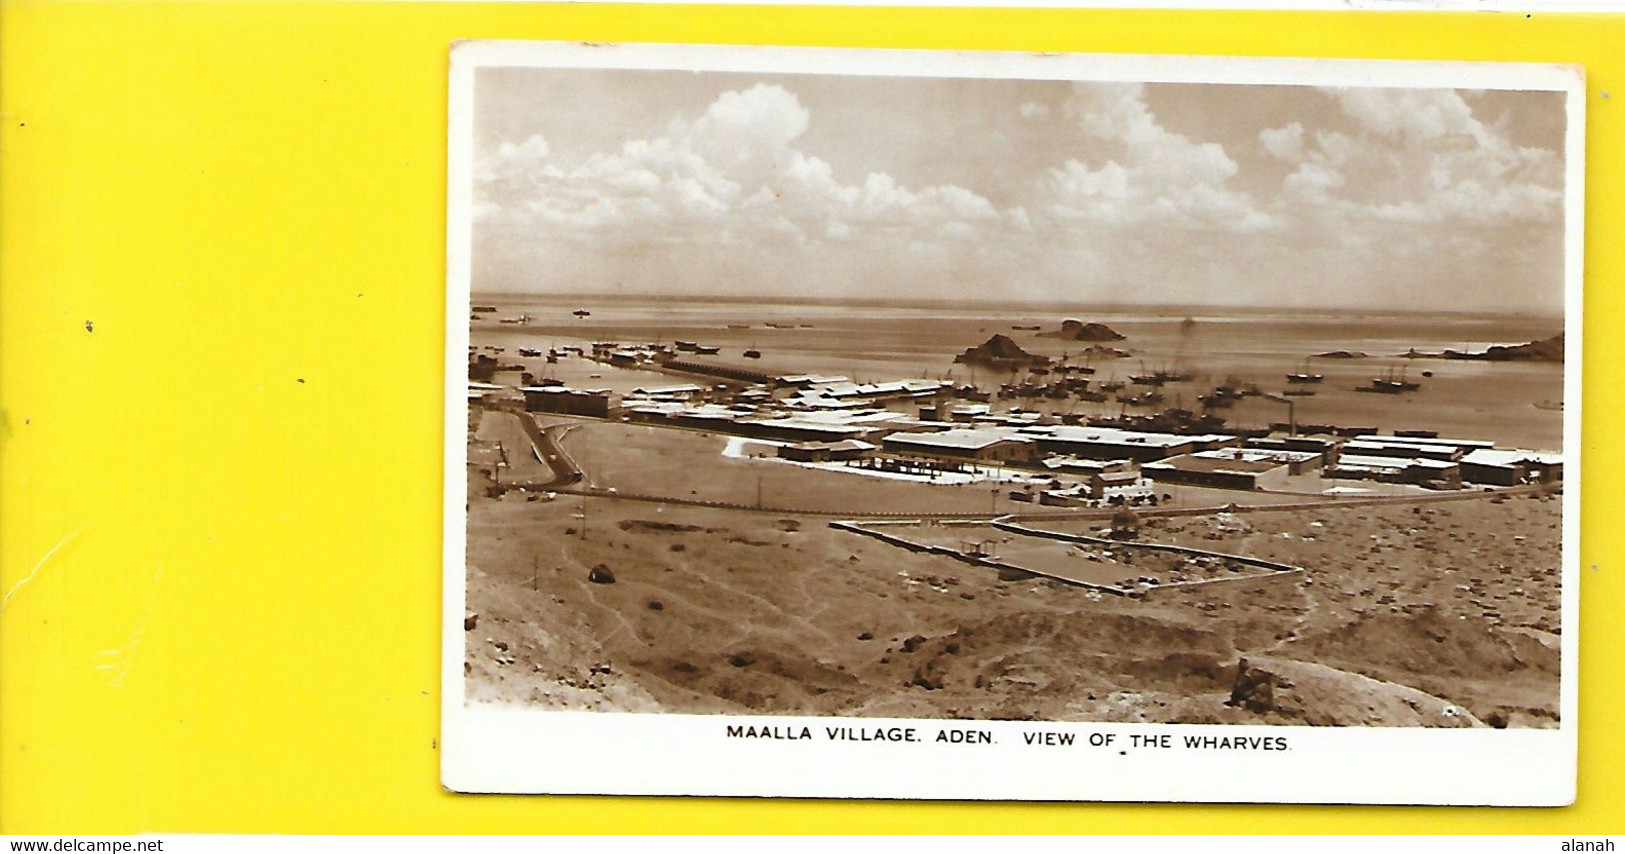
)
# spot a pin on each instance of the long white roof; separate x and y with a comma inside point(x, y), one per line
point(1112, 435)
point(961, 439)
point(1510, 456)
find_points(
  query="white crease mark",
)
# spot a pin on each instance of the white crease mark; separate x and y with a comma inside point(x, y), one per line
point(6, 601)
point(116, 661)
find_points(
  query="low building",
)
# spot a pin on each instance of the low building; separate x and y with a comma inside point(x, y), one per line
point(1510, 467)
point(1423, 471)
point(805, 380)
point(1088, 467)
point(1111, 443)
point(1372, 445)
point(825, 452)
point(795, 430)
point(687, 391)
point(1071, 497)
point(967, 412)
point(1418, 437)
point(1325, 448)
point(984, 445)
point(1219, 471)
point(563, 400)
point(1296, 462)
point(1124, 483)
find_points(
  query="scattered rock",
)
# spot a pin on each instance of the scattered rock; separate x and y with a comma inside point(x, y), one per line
point(600, 574)
point(741, 659)
point(643, 525)
point(655, 605)
point(1253, 689)
point(470, 621)
point(926, 682)
point(913, 643)
point(866, 636)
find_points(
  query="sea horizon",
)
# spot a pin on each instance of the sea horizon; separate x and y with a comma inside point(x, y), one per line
point(1016, 306)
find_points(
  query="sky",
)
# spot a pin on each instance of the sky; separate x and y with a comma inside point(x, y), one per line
point(677, 183)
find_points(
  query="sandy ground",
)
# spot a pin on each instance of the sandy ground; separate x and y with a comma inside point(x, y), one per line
point(662, 461)
point(1442, 615)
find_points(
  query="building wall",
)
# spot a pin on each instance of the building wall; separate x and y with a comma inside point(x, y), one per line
point(996, 452)
point(1213, 479)
point(1493, 475)
point(594, 405)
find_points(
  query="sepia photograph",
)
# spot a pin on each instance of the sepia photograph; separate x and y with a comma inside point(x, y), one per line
point(896, 397)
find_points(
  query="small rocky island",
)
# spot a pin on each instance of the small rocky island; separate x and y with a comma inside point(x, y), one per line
point(1000, 352)
point(1073, 329)
point(1542, 350)
point(1098, 351)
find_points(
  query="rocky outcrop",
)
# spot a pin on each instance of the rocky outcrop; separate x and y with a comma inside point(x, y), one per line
point(1073, 329)
point(1282, 690)
point(1097, 351)
point(1543, 350)
point(1000, 351)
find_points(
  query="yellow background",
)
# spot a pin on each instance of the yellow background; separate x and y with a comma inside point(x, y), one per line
point(238, 628)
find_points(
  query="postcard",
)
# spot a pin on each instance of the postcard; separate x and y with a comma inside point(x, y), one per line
point(968, 425)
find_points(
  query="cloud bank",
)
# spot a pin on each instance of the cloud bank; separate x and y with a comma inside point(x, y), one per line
point(1398, 198)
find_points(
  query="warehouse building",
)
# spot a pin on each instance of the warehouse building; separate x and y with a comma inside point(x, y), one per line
point(1510, 467)
point(1326, 449)
point(1219, 470)
point(1423, 471)
point(563, 400)
point(1296, 462)
point(1111, 443)
point(826, 452)
point(964, 445)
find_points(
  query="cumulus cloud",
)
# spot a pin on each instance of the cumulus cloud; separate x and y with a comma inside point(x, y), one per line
point(1155, 175)
point(1416, 157)
point(731, 176)
point(1285, 143)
